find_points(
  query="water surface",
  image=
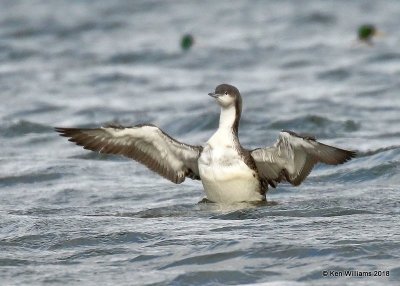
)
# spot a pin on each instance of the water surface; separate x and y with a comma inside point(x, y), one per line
point(72, 217)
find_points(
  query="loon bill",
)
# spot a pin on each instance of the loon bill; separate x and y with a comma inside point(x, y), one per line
point(229, 172)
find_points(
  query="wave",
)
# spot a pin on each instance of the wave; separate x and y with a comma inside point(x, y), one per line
point(60, 31)
point(29, 178)
point(16, 53)
point(117, 77)
point(114, 238)
point(317, 125)
point(325, 212)
point(377, 151)
point(202, 122)
point(384, 57)
point(336, 74)
point(315, 18)
point(151, 56)
point(380, 172)
point(23, 127)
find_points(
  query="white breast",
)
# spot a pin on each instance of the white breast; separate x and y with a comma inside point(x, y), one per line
point(225, 176)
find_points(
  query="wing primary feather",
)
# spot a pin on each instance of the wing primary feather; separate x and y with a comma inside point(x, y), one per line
point(293, 157)
point(144, 143)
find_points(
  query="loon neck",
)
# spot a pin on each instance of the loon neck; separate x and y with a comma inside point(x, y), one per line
point(229, 119)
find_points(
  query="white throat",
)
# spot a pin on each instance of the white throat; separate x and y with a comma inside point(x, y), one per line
point(225, 135)
point(227, 117)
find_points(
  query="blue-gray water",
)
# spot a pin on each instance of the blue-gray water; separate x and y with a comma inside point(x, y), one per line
point(68, 216)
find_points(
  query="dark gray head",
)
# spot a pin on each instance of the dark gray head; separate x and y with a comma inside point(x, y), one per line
point(227, 95)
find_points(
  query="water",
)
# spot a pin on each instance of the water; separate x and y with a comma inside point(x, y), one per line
point(68, 216)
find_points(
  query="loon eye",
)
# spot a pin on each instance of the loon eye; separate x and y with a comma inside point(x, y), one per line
point(226, 93)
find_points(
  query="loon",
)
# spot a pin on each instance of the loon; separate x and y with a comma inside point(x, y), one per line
point(229, 172)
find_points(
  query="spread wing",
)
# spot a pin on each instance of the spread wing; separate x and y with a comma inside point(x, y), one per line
point(293, 157)
point(146, 144)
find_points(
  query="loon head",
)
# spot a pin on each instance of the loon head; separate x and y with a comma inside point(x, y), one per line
point(227, 96)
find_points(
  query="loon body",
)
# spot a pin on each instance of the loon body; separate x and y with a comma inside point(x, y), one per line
point(229, 173)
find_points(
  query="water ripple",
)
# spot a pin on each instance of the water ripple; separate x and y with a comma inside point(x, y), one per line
point(23, 127)
point(318, 125)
